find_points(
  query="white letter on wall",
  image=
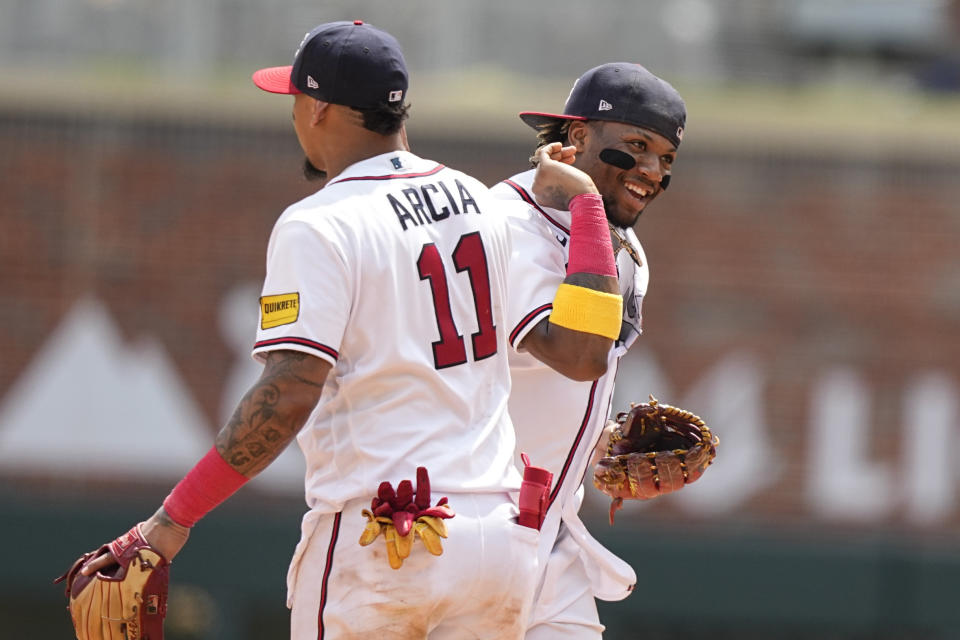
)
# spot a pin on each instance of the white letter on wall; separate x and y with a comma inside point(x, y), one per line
point(929, 420)
point(730, 400)
point(842, 481)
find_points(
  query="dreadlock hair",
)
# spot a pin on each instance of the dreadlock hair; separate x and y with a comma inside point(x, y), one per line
point(384, 119)
point(553, 131)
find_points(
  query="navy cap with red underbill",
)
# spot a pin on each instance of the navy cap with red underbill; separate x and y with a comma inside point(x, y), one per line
point(621, 92)
point(347, 63)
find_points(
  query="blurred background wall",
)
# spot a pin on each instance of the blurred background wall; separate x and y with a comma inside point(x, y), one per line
point(805, 292)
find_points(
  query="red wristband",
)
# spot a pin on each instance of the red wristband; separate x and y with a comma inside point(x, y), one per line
point(210, 482)
point(590, 248)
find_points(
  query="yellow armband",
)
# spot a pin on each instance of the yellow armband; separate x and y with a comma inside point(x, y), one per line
point(587, 310)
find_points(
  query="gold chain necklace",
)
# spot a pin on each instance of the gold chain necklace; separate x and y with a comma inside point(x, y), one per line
point(625, 244)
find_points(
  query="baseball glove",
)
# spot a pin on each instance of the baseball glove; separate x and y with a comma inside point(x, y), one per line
point(126, 600)
point(653, 449)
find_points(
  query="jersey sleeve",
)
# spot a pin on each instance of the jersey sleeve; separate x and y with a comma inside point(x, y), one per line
point(537, 268)
point(307, 293)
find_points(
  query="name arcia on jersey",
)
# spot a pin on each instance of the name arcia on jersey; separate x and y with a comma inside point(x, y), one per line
point(418, 205)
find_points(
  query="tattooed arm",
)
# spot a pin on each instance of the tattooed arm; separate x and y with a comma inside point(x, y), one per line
point(273, 411)
point(268, 418)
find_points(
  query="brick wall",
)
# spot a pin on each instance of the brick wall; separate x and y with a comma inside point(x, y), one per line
point(805, 262)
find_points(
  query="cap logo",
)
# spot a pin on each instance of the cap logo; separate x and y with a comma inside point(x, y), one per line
point(604, 106)
point(394, 96)
point(679, 133)
point(312, 83)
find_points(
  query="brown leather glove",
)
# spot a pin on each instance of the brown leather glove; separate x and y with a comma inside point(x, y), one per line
point(651, 450)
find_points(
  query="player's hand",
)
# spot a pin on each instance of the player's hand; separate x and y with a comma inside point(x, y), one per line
point(601, 449)
point(162, 533)
point(100, 562)
point(556, 151)
point(557, 181)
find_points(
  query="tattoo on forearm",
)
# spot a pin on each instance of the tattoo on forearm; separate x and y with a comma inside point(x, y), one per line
point(555, 196)
point(271, 413)
point(162, 518)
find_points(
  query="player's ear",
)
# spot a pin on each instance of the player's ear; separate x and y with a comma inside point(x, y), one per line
point(319, 112)
point(577, 134)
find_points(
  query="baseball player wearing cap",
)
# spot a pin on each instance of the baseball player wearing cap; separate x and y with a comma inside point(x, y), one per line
point(383, 336)
point(625, 124)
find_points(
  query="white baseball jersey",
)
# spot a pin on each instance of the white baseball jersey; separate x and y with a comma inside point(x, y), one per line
point(395, 273)
point(558, 420)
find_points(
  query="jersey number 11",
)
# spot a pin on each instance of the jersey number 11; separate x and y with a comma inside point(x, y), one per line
point(468, 256)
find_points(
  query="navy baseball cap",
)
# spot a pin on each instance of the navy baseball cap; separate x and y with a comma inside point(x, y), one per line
point(347, 63)
point(621, 92)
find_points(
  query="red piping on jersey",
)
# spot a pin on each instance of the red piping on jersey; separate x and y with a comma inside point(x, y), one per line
point(393, 176)
point(613, 374)
point(326, 573)
point(527, 319)
point(301, 341)
point(576, 445)
point(533, 203)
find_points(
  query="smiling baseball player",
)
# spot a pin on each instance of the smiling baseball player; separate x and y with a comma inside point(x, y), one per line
point(625, 125)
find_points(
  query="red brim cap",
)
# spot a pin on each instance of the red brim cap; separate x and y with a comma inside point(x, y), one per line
point(275, 80)
point(537, 119)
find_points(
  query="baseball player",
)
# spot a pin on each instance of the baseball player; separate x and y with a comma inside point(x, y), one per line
point(383, 337)
point(625, 125)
